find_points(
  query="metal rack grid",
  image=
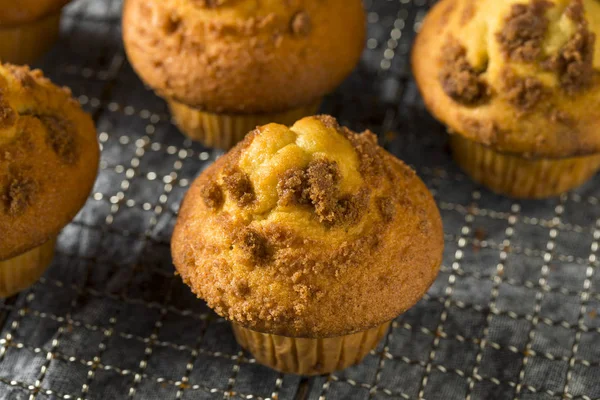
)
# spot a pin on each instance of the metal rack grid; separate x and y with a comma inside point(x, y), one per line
point(514, 313)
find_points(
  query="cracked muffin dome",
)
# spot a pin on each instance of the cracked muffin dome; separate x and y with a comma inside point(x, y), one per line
point(21, 11)
point(243, 56)
point(308, 231)
point(520, 76)
point(48, 159)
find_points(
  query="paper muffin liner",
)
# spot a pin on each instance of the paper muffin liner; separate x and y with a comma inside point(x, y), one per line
point(303, 356)
point(24, 270)
point(25, 43)
point(226, 130)
point(521, 177)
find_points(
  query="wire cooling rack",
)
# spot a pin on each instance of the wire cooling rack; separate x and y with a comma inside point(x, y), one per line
point(512, 315)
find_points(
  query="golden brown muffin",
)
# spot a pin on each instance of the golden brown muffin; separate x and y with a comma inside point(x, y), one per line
point(28, 28)
point(22, 11)
point(312, 231)
point(517, 82)
point(48, 163)
point(243, 59)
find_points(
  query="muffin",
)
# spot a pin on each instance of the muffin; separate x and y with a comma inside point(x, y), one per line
point(48, 163)
point(310, 239)
point(517, 84)
point(28, 28)
point(227, 66)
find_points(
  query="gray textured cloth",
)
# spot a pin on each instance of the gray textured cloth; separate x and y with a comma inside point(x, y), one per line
point(512, 315)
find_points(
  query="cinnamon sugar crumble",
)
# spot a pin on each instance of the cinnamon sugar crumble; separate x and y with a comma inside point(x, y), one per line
point(8, 116)
point(19, 195)
point(459, 79)
point(386, 208)
point(212, 195)
point(241, 288)
point(328, 121)
point(574, 61)
point(210, 3)
point(468, 12)
point(524, 93)
point(522, 36)
point(561, 117)
point(23, 76)
point(238, 184)
point(323, 178)
point(292, 188)
point(367, 149)
point(318, 186)
point(61, 137)
point(255, 244)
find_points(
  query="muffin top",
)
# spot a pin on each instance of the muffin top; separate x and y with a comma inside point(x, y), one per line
point(518, 75)
point(308, 231)
point(48, 159)
point(243, 56)
point(22, 11)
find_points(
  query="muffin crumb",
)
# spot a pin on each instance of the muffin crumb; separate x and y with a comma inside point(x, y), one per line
point(574, 61)
point(241, 288)
point(292, 188)
point(468, 12)
point(448, 10)
point(386, 208)
point(210, 3)
point(19, 195)
point(318, 186)
point(301, 24)
point(323, 178)
point(349, 208)
point(61, 138)
point(23, 75)
point(8, 117)
point(523, 93)
point(329, 121)
point(238, 184)
point(366, 147)
point(458, 78)
point(562, 117)
point(523, 33)
point(576, 11)
point(255, 244)
point(212, 195)
point(487, 130)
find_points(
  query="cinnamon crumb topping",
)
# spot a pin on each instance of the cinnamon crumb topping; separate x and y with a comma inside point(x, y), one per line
point(212, 195)
point(23, 75)
point(523, 33)
point(524, 93)
point(255, 245)
point(61, 137)
point(318, 186)
point(238, 184)
point(210, 3)
point(293, 187)
point(19, 195)
point(459, 79)
point(8, 116)
point(386, 208)
point(323, 178)
point(574, 61)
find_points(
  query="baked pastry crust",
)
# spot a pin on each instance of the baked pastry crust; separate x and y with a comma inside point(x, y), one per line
point(13, 12)
point(242, 55)
point(48, 159)
point(520, 76)
point(309, 231)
